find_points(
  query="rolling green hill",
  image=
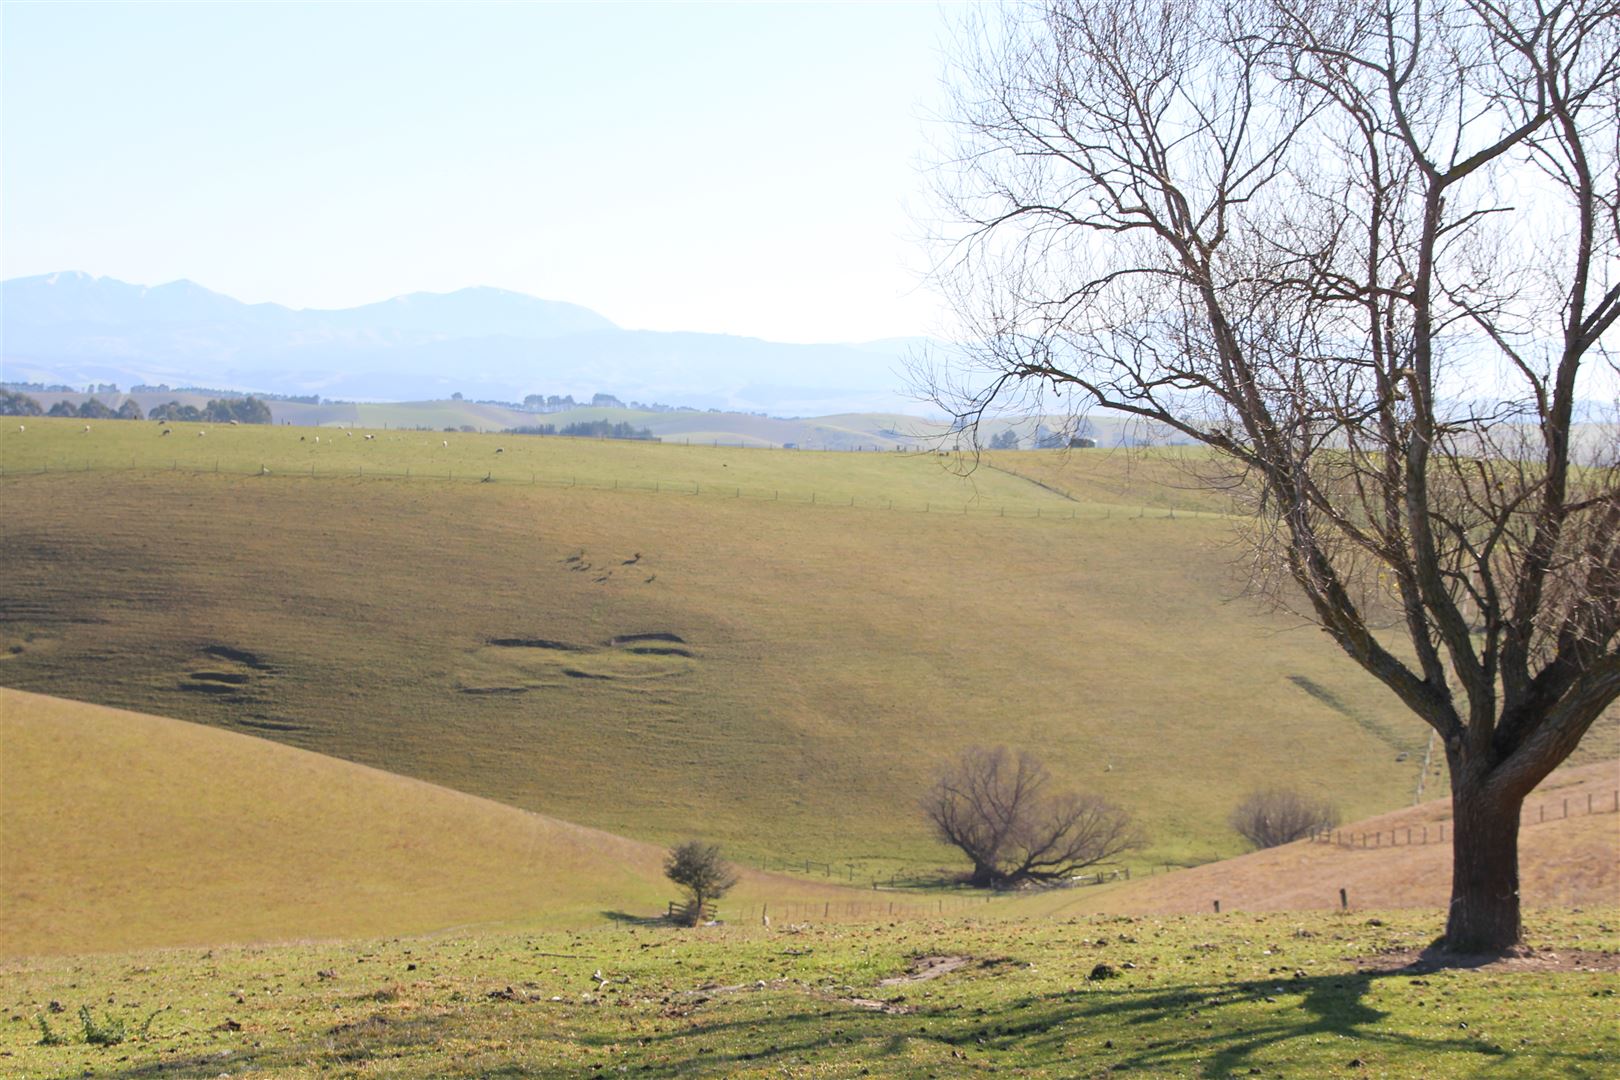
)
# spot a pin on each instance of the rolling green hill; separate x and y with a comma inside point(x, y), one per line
point(120, 830)
point(774, 649)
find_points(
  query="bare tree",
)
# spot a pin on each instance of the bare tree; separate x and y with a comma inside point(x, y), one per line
point(1281, 816)
point(698, 868)
point(1369, 253)
point(996, 808)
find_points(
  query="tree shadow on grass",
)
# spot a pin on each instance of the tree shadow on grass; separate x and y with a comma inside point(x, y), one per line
point(625, 918)
point(1156, 1031)
point(1331, 1007)
point(348, 1045)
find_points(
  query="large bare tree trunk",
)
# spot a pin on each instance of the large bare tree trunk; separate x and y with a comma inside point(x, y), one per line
point(1484, 913)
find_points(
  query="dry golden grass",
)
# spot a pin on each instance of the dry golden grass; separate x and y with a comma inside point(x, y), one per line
point(120, 830)
point(1569, 861)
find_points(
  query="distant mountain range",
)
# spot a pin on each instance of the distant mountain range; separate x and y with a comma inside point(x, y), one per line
point(484, 343)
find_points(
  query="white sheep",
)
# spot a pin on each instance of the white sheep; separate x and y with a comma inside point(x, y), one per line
point(21, 428)
point(200, 434)
point(87, 427)
point(447, 444)
point(370, 437)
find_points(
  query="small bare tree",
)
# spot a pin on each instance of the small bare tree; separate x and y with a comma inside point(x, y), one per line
point(997, 809)
point(1369, 255)
point(1281, 816)
point(698, 868)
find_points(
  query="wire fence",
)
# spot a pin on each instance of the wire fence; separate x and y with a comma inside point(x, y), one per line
point(1555, 809)
point(1073, 511)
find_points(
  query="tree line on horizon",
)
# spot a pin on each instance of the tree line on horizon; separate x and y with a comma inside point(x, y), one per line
point(247, 410)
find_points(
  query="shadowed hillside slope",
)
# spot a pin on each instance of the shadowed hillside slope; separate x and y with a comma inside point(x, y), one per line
point(120, 830)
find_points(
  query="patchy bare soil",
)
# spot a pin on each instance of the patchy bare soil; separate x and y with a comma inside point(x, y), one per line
point(927, 967)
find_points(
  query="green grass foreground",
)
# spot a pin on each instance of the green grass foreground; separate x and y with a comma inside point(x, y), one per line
point(1288, 995)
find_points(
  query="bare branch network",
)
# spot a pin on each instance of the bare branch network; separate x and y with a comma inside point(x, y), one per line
point(1369, 253)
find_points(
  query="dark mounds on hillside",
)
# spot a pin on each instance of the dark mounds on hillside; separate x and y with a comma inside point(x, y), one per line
point(631, 639)
point(239, 656)
point(532, 643)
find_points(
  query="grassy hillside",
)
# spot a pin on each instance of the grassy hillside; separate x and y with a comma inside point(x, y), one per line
point(1567, 858)
point(783, 675)
point(1301, 995)
point(120, 830)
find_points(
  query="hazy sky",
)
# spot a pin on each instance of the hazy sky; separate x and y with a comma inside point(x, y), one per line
point(749, 169)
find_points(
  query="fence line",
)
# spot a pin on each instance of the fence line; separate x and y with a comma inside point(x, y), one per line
point(685, 488)
point(1418, 835)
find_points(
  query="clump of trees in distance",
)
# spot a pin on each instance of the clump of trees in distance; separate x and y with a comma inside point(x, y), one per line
point(699, 869)
point(1000, 810)
point(587, 429)
point(1281, 816)
point(13, 403)
point(245, 410)
point(96, 409)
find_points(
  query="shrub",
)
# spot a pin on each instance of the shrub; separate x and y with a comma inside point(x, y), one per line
point(1281, 816)
point(997, 809)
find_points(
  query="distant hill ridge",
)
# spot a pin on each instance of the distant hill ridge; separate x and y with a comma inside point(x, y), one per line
point(76, 328)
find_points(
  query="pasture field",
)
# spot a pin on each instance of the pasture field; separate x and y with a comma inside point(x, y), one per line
point(1303, 995)
point(120, 830)
point(779, 675)
point(906, 482)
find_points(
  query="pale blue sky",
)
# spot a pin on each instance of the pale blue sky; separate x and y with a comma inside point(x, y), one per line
point(747, 169)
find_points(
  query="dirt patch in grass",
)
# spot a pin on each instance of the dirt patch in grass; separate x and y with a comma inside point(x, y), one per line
point(927, 967)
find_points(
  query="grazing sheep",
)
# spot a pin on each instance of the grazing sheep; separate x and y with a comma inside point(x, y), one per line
point(164, 432)
point(87, 427)
point(21, 428)
point(349, 434)
point(200, 434)
point(500, 449)
point(447, 444)
point(300, 438)
point(370, 437)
